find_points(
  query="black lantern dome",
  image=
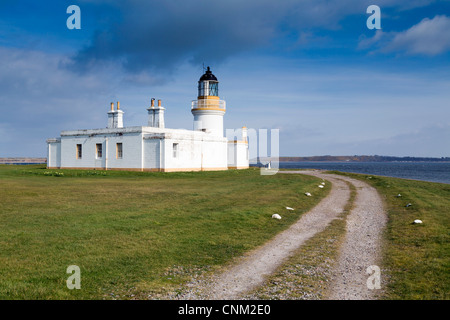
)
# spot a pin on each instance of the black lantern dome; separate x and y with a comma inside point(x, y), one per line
point(208, 86)
point(208, 76)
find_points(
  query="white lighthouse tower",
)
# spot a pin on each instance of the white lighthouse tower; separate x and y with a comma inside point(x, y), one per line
point(208, 109)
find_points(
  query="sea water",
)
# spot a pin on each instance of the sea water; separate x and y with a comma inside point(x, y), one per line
point(426, 171)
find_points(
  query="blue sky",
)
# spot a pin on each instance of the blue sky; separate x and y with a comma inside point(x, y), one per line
point(310, 68)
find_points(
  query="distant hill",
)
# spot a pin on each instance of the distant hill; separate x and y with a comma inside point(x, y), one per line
point(22, 160)
point(357, 158)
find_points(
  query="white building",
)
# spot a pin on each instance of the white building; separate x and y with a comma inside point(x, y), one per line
point(154, 147)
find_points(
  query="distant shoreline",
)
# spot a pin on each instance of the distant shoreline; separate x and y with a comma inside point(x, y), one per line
point(262, 160)
point(375, 158)
point(433, 171)
point(23, 160)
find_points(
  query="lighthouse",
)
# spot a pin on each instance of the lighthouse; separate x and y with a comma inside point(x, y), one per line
point(208, 109)
point(154, 147)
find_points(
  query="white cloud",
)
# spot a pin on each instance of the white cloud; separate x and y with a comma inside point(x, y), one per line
point(39, 99)
point(429, 37)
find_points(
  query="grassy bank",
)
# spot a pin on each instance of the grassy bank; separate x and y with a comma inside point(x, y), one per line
point(416, 256)
point(133, 234)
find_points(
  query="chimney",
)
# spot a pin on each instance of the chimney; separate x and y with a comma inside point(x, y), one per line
point(244, 134)
point(115, 117)
point(156, 115)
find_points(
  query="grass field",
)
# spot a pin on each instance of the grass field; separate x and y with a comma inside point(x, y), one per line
point(133, 234)
point(140, 235)
point(416, 256)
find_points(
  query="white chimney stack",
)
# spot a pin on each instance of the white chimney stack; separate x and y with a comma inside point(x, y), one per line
point(115, 117)
point(156, 115)
point(244, 134)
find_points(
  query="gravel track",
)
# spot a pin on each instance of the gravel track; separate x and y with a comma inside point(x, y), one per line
point(250, 270)
point(361, 248)
point(362, 245)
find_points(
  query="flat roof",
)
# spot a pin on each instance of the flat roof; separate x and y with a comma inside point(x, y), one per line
point(151, 131)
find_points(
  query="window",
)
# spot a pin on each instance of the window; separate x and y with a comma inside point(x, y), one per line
point(213, 88)
point(98, 150)
point(175, 150)
point(119, 151)
point(79, 151)
point(202, 88)
point(208, 88)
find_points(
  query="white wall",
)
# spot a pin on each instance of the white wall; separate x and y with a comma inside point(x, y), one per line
point(215, 154)
point(242, 160)
point(195, 152)
point(188, 154)
point(238, 155)
point(211, 120)
point(53, 153)
point(131, 144)
point(143, 148)
point(231, 155)
point(151, 153)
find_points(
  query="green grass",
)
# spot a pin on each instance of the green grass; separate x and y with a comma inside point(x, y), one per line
point(129, 232)
point(416, 256)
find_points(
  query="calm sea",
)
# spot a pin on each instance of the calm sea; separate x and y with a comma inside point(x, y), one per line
point(426, 171)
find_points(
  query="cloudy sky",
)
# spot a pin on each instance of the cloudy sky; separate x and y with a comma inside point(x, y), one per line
point(310, 68)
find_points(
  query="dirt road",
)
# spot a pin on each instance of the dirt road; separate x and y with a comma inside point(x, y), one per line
point(360, 250)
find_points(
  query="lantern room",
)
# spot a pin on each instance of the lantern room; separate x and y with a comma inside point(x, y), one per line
point(208, 85)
